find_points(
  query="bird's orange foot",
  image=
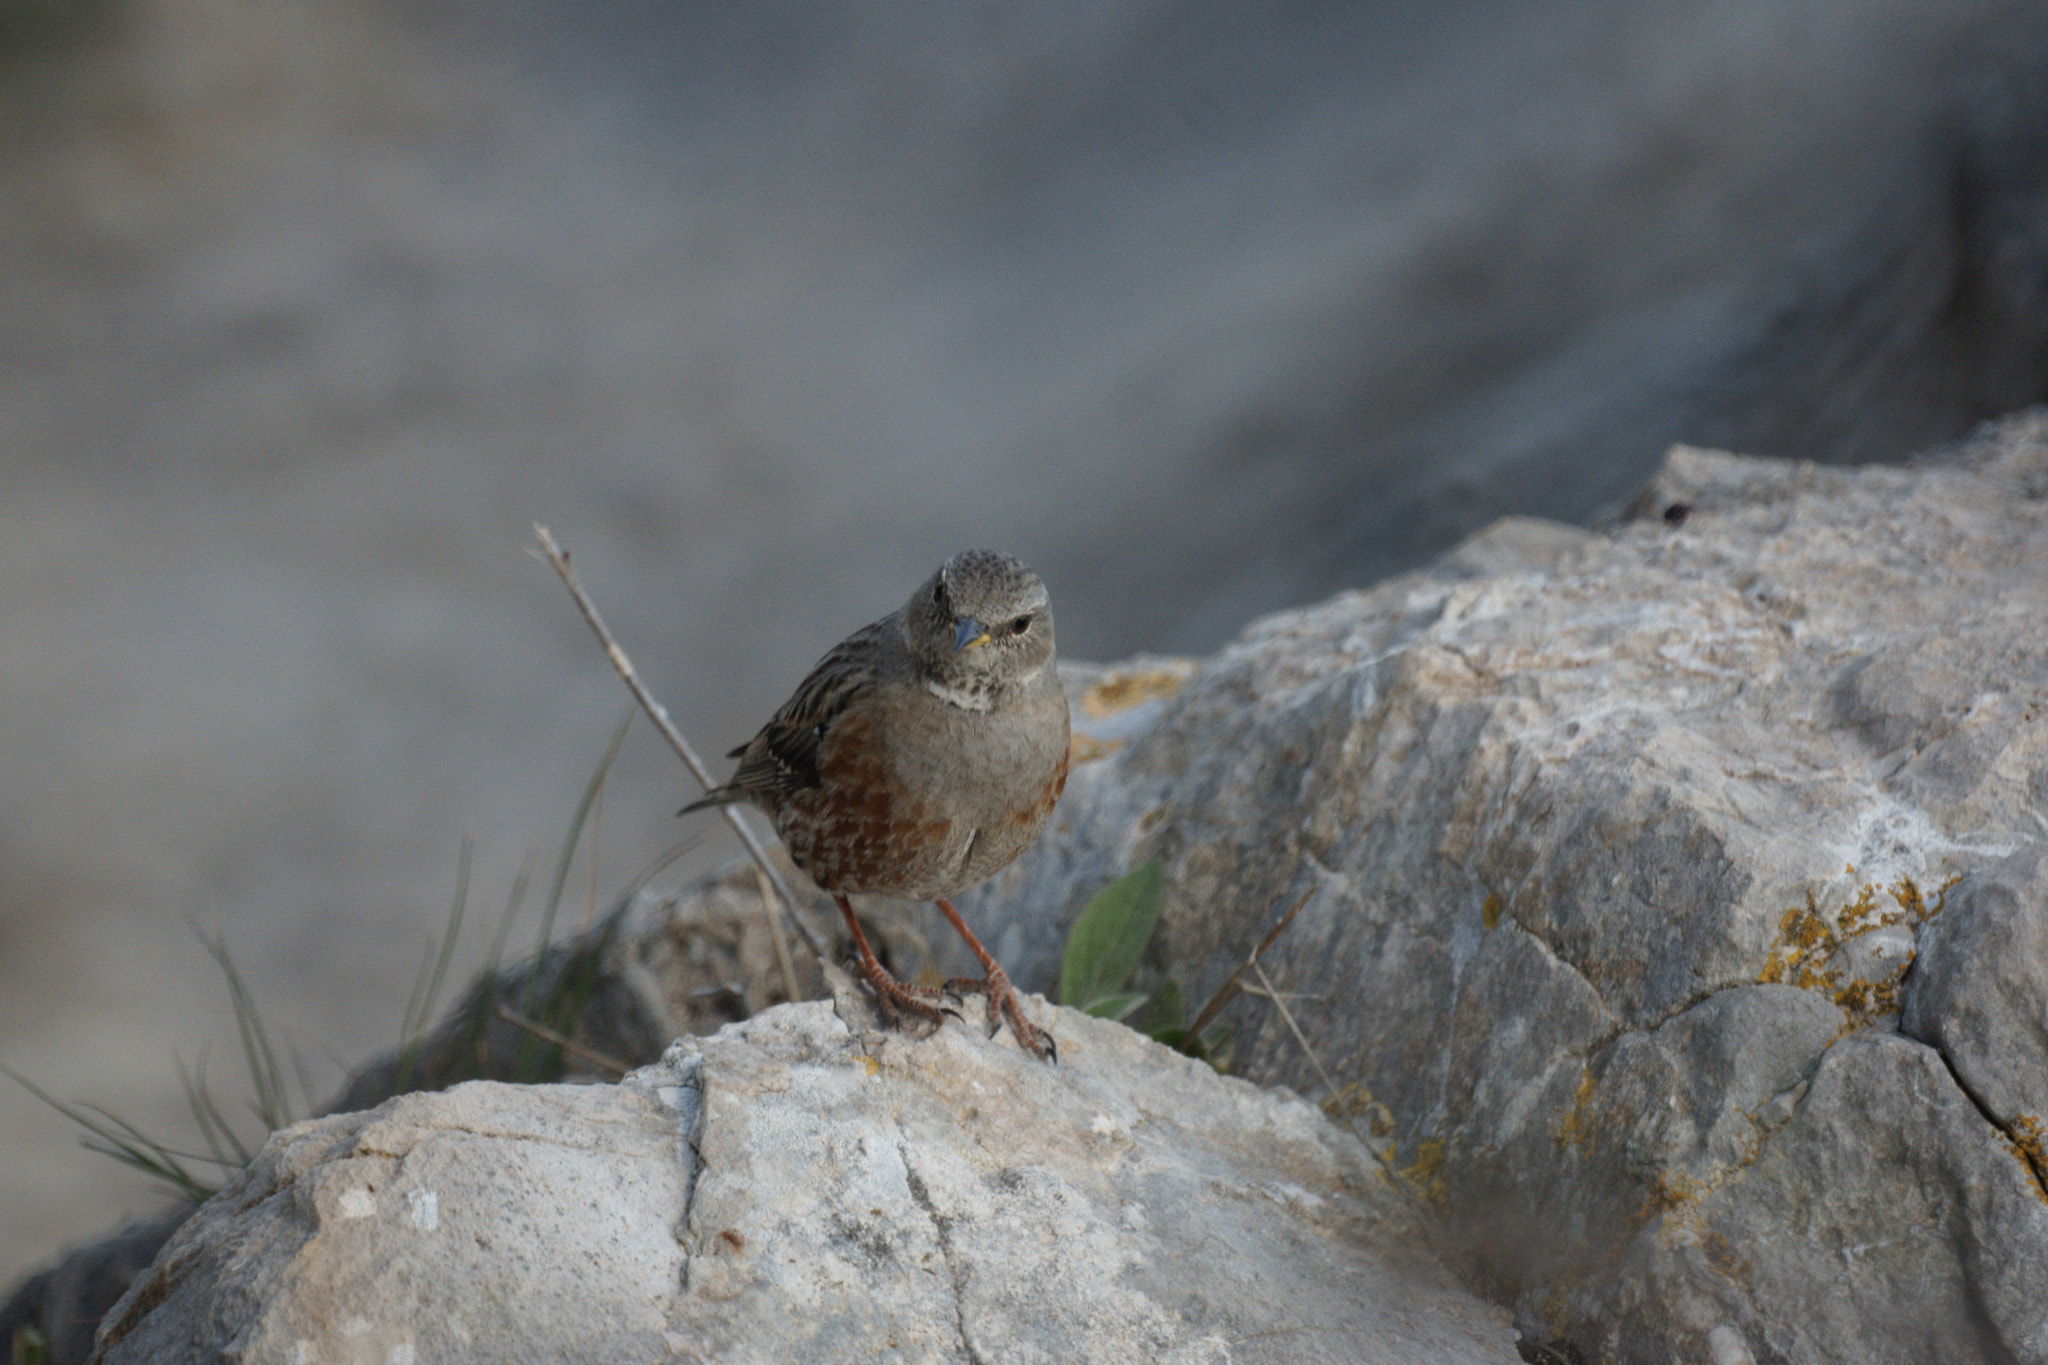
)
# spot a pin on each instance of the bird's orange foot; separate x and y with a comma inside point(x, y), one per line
point(898, 998)
point(1004, 1005)
point(895, 997)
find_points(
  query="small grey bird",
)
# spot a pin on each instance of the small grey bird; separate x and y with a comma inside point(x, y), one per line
point(919, 758)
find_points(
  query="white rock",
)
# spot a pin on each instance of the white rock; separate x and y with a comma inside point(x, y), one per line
point(944, 1199)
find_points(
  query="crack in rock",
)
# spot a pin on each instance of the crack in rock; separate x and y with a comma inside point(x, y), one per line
point(2024, 1145)
point(955, 1272)
point(687, 1099)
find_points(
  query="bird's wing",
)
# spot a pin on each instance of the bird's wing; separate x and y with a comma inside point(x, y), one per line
point(783, 757)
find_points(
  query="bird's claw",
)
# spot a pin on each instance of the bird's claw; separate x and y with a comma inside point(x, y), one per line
point(1003, 1005)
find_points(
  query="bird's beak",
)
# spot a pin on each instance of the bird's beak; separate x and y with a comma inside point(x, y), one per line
point(968, 632)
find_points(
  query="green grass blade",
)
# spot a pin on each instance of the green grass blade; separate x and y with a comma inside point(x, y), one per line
point(433, 975)
point(119, 1139)
point(514, 902)
point(569, 843)
point(273, 1104)
point(214, 1129)
point(305, 1075)
point(113, 1128)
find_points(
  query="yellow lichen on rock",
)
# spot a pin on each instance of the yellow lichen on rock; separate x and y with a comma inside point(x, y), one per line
point(1573, 1131)
point(1808, 939)
point(1086, 748)
point(2026, 1141)
point(1425, 1174)
point(1120, 691)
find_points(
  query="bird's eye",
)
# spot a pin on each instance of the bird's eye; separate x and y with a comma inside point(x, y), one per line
point(1021, 624)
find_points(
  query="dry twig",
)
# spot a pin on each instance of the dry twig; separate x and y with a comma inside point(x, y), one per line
point(558, 559)
point(775, 932)
point(1288, 1016)
point(1230, 989)
point(562, 1041)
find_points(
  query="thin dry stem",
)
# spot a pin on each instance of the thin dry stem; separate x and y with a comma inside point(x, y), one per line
point(1294, 1028)
point(591, 859)
point(562, 1041)
point(558, 559)
point(782, 958)
point(1229, 990)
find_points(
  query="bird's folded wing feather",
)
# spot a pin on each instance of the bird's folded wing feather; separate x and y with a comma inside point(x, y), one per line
point(784, 755)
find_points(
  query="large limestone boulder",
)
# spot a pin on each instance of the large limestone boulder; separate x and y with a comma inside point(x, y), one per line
point(793, 1190)
point(1676, 909)
point(1674, 924)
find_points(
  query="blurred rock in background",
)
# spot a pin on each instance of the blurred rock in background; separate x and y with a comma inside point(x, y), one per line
point(311, 308)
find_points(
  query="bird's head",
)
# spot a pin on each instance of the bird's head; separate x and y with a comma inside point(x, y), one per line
point(982, 622)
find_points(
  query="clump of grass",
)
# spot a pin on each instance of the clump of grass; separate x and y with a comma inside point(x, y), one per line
point(198, 1175)
point(544, 1008)
point(108, 1133)
point(544, 1004)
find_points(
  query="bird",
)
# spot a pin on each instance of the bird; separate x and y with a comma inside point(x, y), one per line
point(920, 757)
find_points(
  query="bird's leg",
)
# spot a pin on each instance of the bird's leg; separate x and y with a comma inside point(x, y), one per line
point(1002, 1001)
point(895, 996)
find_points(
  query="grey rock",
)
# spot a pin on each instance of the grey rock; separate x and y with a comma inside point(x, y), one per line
point(1618, 851)
point(60, 1306)
point(1886, 1213)
point(1979, 993)
point(791, 1190)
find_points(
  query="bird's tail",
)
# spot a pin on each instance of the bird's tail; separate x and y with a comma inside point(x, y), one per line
point(717, 796)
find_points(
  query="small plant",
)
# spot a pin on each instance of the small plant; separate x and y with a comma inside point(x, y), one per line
point(1106, 941)
point(1102, 955)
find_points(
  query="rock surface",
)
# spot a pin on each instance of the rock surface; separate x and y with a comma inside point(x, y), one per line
point(791, 1190)
point(1626, 854)
point(1673, 925)
point(662, 964)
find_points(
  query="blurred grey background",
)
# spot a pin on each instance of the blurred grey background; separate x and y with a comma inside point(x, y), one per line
point(310, 307)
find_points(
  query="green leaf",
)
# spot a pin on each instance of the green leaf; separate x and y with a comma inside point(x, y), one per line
point(1168, 1010)
point(1114, 1006)
point(1104, 945)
